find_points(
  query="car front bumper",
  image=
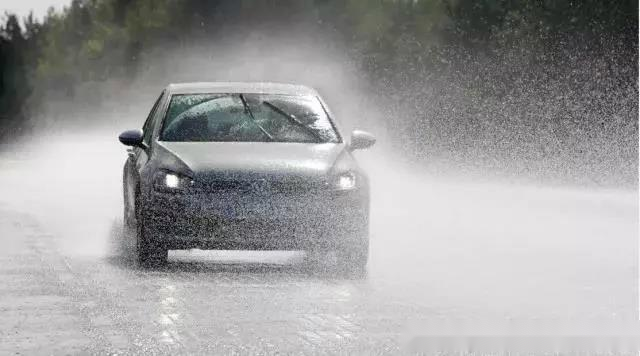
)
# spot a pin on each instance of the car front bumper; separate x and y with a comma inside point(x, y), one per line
point(304, 221)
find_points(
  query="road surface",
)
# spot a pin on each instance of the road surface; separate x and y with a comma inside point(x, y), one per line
point(445, 256)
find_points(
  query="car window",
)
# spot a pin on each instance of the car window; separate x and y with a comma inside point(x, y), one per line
point(147, 128)
point(266, 117)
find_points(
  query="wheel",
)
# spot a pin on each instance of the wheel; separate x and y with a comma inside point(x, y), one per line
point(349, 261)
point(148, 253)
point(126, 217)
point(352, 261)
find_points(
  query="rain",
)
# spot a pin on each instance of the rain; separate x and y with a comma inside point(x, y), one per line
point(503, 183)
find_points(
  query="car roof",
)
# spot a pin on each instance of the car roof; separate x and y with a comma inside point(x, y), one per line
point(239, 87)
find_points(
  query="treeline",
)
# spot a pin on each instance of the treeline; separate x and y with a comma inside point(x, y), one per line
point(488, 77)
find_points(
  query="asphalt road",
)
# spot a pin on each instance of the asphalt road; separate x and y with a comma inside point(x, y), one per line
point(446, 257)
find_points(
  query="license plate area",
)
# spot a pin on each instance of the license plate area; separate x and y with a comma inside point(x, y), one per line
point(240, 210)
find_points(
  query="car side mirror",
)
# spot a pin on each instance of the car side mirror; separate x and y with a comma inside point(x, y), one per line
point(132, 138)
point(361, 140)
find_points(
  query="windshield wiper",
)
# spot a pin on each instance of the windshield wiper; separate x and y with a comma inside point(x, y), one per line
point(294, 120)
point(248, 111)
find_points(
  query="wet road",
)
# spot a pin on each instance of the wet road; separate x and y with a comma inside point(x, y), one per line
point(441, 253)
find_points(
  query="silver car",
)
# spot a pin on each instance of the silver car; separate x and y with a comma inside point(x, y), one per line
point(251, 166)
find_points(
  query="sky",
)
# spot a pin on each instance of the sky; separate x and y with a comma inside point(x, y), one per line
point(39, 7)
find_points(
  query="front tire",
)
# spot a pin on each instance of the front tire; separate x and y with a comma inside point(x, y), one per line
point(352, 261)
point(148, 252)
point(349, 261)
point(126, 217)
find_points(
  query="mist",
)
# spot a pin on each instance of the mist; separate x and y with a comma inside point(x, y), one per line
point(519, 239)
point(71, 172)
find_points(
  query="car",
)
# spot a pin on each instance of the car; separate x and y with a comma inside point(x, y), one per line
point(246, 166)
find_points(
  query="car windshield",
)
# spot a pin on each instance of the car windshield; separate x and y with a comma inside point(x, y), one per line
point(247, 118)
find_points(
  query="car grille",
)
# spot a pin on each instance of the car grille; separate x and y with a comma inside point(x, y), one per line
point(259, 186)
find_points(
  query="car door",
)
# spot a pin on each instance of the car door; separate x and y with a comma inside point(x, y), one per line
point(137, 158)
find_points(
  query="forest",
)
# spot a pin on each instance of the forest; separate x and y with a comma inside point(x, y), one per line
point(513, 85)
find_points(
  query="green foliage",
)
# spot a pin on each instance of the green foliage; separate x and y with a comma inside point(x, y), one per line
point(93, 40)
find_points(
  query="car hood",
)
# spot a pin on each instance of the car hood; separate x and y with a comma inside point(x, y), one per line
point(248, 158)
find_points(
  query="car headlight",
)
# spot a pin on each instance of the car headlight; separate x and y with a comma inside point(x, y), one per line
point(344, 181)
point(166, 181)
